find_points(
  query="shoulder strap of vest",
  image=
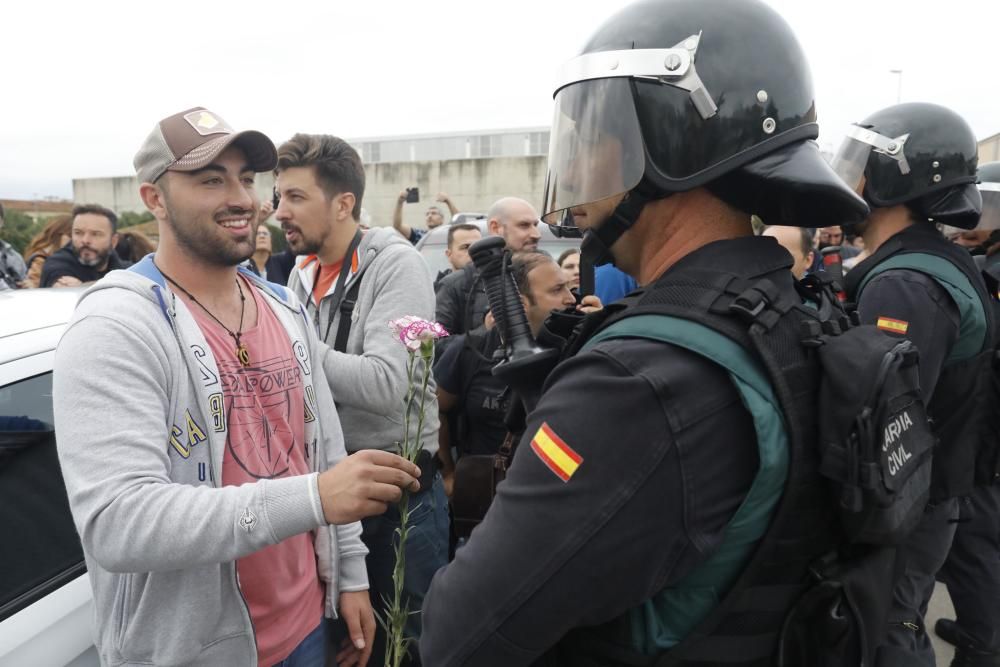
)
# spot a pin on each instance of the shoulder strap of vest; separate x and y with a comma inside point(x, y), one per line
point(665, 620)
point(965, 290)
point(751, 314)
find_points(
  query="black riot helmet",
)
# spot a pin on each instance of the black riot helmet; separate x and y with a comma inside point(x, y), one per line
point(921, 155)
point(672, 95)
point(989, 188)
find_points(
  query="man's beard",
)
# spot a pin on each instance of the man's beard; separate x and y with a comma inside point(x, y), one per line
point(199, 241)
point(100, 257)
point(304, 245)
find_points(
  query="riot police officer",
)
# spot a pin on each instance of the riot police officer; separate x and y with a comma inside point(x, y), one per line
point(971, 571)
point(915, 164)
point(625, 516)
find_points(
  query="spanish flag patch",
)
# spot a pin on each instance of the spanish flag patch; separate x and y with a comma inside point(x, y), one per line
point(555, 453)
point(892, 326)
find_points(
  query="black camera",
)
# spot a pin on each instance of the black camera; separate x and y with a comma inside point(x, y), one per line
point(412, 195)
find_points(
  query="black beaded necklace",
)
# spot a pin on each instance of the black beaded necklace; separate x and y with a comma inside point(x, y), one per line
point(242, 353)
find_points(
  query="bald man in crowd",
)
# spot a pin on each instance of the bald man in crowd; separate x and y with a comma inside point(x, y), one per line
point(461, 296)
point(798, 241)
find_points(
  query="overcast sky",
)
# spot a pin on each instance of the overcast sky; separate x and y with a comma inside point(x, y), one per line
point(82, 83)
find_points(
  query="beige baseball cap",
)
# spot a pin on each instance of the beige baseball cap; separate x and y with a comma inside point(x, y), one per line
point(190, 140)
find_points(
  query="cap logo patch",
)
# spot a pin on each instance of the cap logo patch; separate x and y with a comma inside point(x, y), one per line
point(205, 123)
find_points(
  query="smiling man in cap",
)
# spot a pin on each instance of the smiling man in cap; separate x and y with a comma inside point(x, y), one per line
point(214, 499)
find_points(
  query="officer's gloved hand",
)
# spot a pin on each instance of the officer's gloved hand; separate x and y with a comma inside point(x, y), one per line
point(558, 327)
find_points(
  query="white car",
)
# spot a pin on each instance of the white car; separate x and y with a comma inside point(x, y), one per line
point(46, 606)
point(434, 242)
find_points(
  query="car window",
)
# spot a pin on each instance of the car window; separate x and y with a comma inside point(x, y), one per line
point(41, 548)
point(433, 246)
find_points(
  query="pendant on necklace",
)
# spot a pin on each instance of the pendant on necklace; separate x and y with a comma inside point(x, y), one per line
point(243, 354)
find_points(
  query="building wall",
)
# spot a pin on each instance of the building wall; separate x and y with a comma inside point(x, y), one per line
point(989, 149)
point(454, 146)
point(472, 184)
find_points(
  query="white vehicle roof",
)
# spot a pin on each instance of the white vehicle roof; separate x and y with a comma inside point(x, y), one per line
point(31, 320)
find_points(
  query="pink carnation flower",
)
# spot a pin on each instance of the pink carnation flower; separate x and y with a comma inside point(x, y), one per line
point(413, 332)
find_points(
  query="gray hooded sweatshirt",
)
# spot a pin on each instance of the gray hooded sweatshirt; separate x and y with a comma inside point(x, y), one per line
point(369, 380)
point(141, 432)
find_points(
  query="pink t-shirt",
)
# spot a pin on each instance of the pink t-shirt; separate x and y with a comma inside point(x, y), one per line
point(265, 416)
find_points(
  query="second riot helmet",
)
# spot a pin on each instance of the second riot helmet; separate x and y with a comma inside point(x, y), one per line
point(921, 155)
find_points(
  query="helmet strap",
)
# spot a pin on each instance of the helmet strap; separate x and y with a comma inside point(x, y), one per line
point(597, 242)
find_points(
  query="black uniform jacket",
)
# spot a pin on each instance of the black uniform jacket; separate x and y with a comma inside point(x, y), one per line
point(664, 450)
point(453, 293)
point(64, 262)
point(930, 315)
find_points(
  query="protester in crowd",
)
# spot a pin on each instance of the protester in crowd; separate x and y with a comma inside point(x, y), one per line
point(916, 285)
point(275, 268)
point(354, 283)
point(798, 241)
point(133, 245)
point(234, 528)
point(433, 217)
point(461, 297)
point(12, 268)
point(569, 261)
point(610, 540)
point(90, 255)
point(55, 235)
point(467, 389)
point(261, 262)
point(460, 239)
point(834, 235)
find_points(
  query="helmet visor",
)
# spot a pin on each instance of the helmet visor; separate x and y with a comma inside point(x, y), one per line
point(595, 150)
point(851, 159)
point(990, 218)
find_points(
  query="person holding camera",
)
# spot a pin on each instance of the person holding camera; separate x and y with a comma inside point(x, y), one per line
point(433, 217)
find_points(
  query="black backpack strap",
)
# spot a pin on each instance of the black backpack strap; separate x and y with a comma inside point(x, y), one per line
point(346, 311)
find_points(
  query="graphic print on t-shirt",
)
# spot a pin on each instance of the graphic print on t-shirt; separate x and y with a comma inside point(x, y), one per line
point(260, 405)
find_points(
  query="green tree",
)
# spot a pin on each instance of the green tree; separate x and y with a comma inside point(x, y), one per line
point(18, 229)
point(130, 218)
point(278, 243)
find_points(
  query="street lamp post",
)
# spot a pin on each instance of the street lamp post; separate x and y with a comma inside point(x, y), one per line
point(899, 84)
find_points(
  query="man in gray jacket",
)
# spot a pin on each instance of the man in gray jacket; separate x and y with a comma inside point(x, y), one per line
point(205, 466)
point(354, 282)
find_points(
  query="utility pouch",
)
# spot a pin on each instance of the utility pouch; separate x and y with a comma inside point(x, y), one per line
point(841, 618)
point(476, 480)
point(875, 438)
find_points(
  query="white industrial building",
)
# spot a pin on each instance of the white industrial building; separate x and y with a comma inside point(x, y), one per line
point(474, 168)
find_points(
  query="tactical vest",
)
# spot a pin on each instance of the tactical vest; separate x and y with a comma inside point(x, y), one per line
point(960, 406)
point(748, 318)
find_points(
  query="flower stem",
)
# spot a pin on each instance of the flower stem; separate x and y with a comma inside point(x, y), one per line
point(397, 611)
